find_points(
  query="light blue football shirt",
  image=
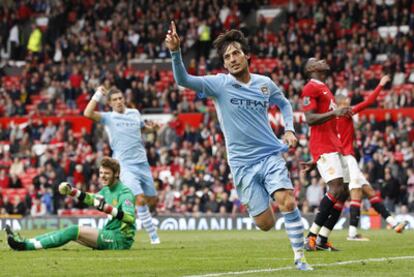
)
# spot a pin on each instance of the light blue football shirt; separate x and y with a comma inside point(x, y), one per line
point(242, 111)
point(124, 132)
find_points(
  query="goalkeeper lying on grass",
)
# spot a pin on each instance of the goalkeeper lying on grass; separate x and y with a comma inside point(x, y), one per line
point(114, 199)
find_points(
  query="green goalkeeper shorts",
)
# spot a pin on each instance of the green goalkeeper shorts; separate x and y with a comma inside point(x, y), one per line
point(113, 240)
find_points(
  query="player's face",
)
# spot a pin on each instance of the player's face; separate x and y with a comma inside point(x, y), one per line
point(315, 65)
point(235, 61)
point(321, 65)
point(106, 176)
point(343, 102)
point(117, 102)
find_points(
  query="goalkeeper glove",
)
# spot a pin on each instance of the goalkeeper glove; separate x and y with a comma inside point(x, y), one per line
point(99, 202)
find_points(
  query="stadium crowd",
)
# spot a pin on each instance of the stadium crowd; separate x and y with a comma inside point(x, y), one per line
point(87, 43)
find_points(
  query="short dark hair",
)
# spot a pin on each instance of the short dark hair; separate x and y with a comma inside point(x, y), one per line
point(224, 40)
point(112, 164)
point(112, 91)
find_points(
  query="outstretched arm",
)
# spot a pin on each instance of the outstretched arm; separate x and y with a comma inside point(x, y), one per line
point(95, 200)
point(372, 97)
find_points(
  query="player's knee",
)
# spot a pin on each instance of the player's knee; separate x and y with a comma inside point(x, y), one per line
point(338, 190)
point(290, 205)
point(356, 194)
point(266, 226)
point(140, 200)
point(343, 194)
point(151, 201)
point(368, 191)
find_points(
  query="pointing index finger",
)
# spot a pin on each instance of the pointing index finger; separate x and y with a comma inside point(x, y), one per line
point(173, 29)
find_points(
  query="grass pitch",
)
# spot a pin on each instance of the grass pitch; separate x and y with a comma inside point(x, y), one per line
point(245, 253)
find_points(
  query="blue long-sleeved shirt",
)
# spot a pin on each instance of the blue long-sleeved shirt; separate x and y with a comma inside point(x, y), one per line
point(242, 111)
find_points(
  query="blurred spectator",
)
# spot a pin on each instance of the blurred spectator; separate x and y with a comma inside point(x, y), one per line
point(17, 167)
point(38, 208)
point(314, 194)
point(19, 207)
point(4, 179)
point(15, 182)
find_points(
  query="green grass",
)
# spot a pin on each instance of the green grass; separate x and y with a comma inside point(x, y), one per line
point(197, 253)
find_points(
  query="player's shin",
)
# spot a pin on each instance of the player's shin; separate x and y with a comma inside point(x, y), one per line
point(145, 216)
point(325, 207)
point(53, 239)
point(378, 205)
point(355, 214)
point(330, 223)
point(294, 229)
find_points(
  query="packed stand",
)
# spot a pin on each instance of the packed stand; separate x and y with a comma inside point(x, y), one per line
point(79, 42)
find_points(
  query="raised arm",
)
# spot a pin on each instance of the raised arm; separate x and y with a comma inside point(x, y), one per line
point(172, 41)
point(95, 200)
point(372, 97)
point(89, 111)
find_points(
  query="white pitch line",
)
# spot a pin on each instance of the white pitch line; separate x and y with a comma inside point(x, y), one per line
point(292, 267)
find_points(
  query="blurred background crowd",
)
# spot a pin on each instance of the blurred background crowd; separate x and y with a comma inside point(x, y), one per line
point(62, 50)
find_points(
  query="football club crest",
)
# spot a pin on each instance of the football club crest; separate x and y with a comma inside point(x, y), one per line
point(306, 100)
point(128, 203)
point(265, 90)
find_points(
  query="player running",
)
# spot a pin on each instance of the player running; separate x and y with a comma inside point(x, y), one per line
point(358, 185)
point(254, 152)
point(115, 199)
point(124, 126)
point(320, 111)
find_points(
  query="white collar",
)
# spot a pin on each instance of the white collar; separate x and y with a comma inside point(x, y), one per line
point(241, 83)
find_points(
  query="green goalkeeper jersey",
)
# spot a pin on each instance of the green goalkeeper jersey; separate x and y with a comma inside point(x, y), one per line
point(121, 197)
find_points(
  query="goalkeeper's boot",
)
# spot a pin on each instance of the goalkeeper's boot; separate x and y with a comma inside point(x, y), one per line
point(302, 264)
point(399, 228)
point(310, 243)
point(14, 240)
point(327, 246)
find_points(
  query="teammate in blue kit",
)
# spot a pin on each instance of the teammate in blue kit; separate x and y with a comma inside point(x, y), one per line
point(254, 152)
point(124, 126)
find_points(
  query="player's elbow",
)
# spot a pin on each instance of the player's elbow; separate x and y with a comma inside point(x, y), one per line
point(311, 120)
point(180, 81)
point(87, 114)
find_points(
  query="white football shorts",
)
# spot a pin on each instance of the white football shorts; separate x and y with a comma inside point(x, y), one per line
point(332, 166)
point(357, 178)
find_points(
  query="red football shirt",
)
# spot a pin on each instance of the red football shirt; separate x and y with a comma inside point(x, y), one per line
point(346, 134)
point(345, 125)
point(318, 98)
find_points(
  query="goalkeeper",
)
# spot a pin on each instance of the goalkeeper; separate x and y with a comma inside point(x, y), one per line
point(114, 199)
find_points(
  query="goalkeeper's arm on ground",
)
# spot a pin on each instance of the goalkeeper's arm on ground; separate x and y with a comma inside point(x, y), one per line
point(96, 200)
